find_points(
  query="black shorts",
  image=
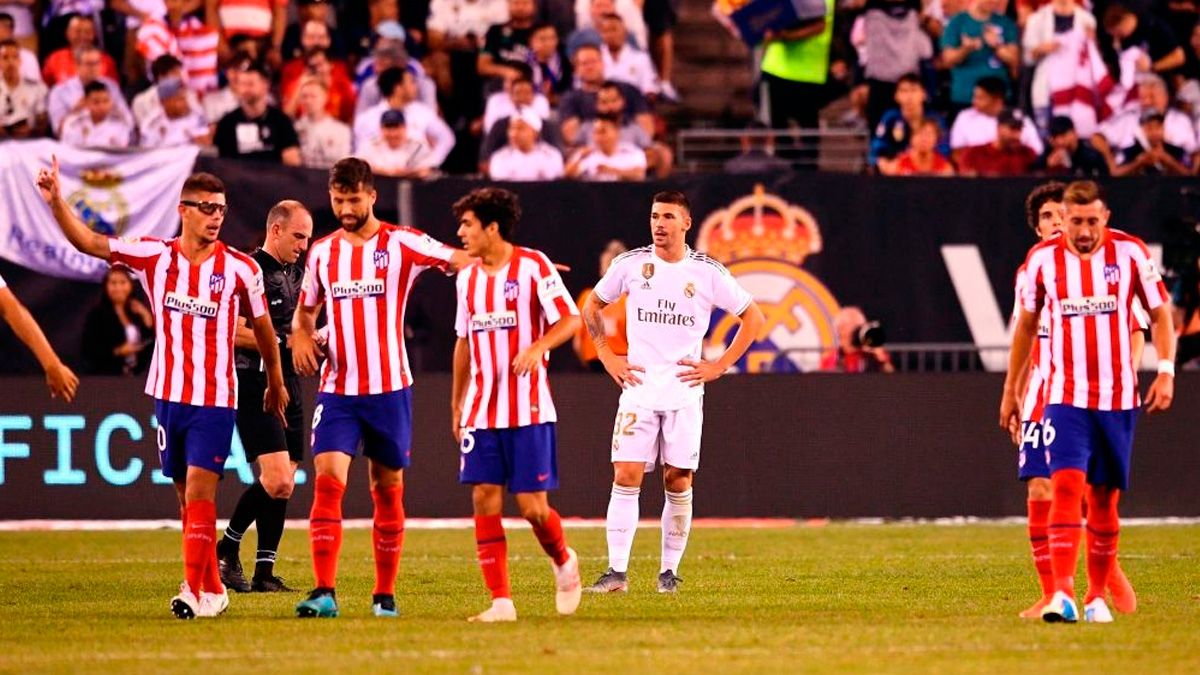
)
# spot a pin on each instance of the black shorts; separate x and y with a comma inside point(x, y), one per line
point(660, 16)
point(260, 432)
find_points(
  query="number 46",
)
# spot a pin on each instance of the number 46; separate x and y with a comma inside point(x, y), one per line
point(1032, 437)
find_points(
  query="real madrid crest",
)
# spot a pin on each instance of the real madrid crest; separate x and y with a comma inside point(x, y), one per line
point(647, 270)
point(689, 289)
point(99, 201)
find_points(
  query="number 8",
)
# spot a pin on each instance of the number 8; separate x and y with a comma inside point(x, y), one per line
point(317, 415)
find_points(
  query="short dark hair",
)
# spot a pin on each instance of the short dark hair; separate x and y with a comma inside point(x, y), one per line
point(1048, 192)
point(541, 26)
point(492, 205)
point(93, 87)
point(284, 211)
point(672, 197)
point(163, 65)
point(389, 80)
point(613, 84)
point(993, 86)
point(1082, 192)
point(612, 118)
point(351, 174)
point(9, 43)
point(202, 182)
point(7, 18)
point(1114, 14)
point(524, 72)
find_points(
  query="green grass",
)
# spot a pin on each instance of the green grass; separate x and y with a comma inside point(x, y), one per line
point(847, 598)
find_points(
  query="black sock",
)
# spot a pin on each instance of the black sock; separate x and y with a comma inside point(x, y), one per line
point(248, 507)
point(270, 531)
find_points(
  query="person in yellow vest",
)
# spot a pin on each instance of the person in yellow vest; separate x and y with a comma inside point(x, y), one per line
point(795, 67)
point(613, 315)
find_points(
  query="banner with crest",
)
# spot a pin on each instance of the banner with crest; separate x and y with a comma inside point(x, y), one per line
point(123, 195)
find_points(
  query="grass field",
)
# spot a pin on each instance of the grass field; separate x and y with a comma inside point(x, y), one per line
point(895, 598)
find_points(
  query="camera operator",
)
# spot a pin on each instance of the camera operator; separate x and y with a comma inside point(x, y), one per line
point(860, 345)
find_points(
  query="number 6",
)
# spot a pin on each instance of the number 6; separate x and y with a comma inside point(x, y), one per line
point(1048, 433)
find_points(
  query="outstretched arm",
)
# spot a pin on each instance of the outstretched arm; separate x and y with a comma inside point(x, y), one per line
point(81, 236)
point(59, 378)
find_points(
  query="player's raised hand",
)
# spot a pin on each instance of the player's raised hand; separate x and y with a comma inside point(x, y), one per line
point(304, 353)
point(47, 181)
point(620, 369)
point(699, 372)
point(275, 402)
point(1161, 393)
point(62, 382)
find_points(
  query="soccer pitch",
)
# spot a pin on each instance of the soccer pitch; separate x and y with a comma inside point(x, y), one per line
point(866, 598)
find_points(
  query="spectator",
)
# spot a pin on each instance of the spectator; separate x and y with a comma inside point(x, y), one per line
point(978, 43)
point(1188, 94)
point(67, 96)
point(551, 69)
point(399, 87)
point(323, 138)
point(895, 45)
point(851, 354)
point(1068, 155)
point(1152, 155)
point(257, 130)
point(118, 329)
point(894, 132)
point(390, 53)
point(223, 101)
point(60, 65)
point(332, 74)
point(315, 36)
point(922, 157)
point(625, 63)
point(497, 138)
point(661, 17)
point(174, 121)
point(30, 68)
point(507, 44)
point(588, 15)
point(1070, 77)
point(264, 21)
point(518, 92)
point(180, 34)
point(758, 153)
point(1144, 43)
point(1124, 130)
point(98, 124)
point(300, 36)
point(394, 153)
point(456, 29)
point(610, 100)
point(976, 126)
point(579, 105)
point(607, 158)
point(613, 315)
point(526, 157)
point(24, 112)
point(19, 26)
point(1004, 156)
point(148, 104)
point(794, 70)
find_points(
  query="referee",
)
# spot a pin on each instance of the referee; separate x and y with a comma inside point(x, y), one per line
point(276, 450)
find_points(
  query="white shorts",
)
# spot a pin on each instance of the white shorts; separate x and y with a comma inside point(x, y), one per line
point(670, 436)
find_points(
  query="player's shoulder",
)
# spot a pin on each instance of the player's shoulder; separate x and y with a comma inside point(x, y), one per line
point(1042, 250)
point(1123, 239)
point(706, 262)
point(633, 255)
point(539, 258)
point(324, 243)
point(244, 259)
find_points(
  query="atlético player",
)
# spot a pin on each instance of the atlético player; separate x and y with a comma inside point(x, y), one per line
point(670, 292)
point(512, 310)
point(195, 284)
point(363, 274)
point(1089, 278)
point(1044, 215)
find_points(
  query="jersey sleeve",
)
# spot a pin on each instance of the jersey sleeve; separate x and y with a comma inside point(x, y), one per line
point(1032, 293)
point(138, 254)
point(425, 250)
point(311, 291)
point(3, 284)
point(250, 276)
point(614, 282)
point(1148, 281)
point(728, 294)
point(462, 315)
point(552, 293)
point(1141, 319)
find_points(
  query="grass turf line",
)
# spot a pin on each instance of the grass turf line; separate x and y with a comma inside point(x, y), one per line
point(859, 598)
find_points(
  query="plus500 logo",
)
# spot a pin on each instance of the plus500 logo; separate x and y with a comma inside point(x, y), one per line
point(78, 446)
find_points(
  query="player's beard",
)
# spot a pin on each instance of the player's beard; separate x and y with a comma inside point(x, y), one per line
point(356, 224)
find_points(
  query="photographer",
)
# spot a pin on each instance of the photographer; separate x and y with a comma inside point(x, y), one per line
point(860, 345)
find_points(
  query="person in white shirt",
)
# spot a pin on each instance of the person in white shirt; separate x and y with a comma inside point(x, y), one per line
point(399, 89)
point(518, 92)
point(670, 295)
point(608, 158)
point(526, 157)
point(147, 103)
point(30, 68)
point(223, 101)
point(589, 12)
point(174, 121)
point(626, 63)
point(67, 96)
point(977, 125)
point(394, 153)
point(324, 139)
point(97, 124)
point(24, 111)
point(1124, 130)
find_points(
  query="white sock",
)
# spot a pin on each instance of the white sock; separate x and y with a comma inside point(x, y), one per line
point(676, 524)
point(621, 524)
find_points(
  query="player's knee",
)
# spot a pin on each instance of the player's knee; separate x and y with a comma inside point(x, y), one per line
point(628, 476)
point(677, 480)
point(1040, 490)
point(279, 487)
point(536, 514)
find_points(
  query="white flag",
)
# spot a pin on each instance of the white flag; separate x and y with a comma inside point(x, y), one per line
point(123, 195)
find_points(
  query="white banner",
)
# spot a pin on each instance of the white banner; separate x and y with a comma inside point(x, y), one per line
point(125, 195)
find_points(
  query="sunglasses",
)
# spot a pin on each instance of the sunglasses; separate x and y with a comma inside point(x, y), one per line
point(207, 208)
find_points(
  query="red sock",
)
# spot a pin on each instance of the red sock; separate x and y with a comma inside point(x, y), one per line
point(1039, 543)
point(550, 535)
point(492, 547)
point(199, 541)
point(325, 529)
point(1066, 511)
point(1103, 531)
point(387, 536)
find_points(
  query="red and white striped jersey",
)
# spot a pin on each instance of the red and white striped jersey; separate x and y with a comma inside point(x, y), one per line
point(1034, 399)
point(1092, 317)
point(195, 309)
point(367, 289)
point(247, 17)
point(193, 43)
point(500, 315)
